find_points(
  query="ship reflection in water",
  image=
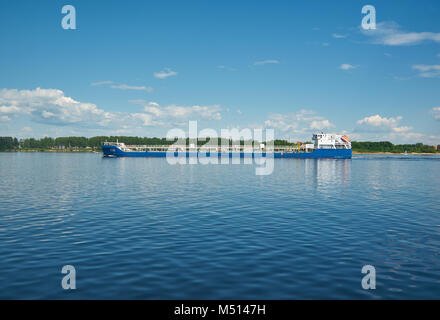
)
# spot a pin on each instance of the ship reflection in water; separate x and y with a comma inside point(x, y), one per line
point(328, 172)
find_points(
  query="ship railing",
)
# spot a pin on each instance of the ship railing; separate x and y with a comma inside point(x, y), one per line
point(234, 148)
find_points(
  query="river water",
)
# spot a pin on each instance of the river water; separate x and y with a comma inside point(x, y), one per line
point(142, 228)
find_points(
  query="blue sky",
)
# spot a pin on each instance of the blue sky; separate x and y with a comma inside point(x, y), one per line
point(144, 67)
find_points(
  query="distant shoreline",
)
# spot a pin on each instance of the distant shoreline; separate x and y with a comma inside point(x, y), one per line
point(396, 153)
point(57, 150)
point(84, 144)
point(100, 151)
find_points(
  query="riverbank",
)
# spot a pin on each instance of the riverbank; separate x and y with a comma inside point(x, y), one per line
point(56, 150)
point(397, 153)
point(100, 151)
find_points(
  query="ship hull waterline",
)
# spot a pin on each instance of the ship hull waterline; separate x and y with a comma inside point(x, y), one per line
point(113, 151)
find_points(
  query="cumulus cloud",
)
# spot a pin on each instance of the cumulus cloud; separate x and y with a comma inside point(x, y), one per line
point(427, 71)
point(346, 66)
point(165, 74)
point(146, 119)
point(297, 122)
point(48, 106)
point(383, 125)
point(11, 109)
point(263, 62)
point(182, 113)
point(320, 124)
point(52, 106)
point(390, 33)
point(388, 129)
point(378, 123)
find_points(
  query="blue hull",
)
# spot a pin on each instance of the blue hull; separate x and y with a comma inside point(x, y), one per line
point(113, 151)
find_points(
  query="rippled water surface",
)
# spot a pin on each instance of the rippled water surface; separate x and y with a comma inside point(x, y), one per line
point(141, 228)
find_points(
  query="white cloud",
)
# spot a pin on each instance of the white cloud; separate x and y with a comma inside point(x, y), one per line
point(436, 112)
point(165, 74)
point(239, 112)
point(389, 33)
point(281, 122)
point(402, 129)
point(147, 119)
point(346, 66)
point(112, 85)
point(320, 125)
point(382, 128)
point(4, 118)
point(427, 71)
point(127, 87)
point(182, 113)
point(101, 83)
point(48, 106)
point(263, 62)
point(378, 123)
point(51, 106)
point(338, 36)
point(298, 122)
point(9, 109)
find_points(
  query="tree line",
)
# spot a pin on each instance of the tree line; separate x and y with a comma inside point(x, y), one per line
point(386, 146)
point(8, 143)
point(11, 143)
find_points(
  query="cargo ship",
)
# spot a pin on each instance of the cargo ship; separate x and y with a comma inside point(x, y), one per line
point(330, 146)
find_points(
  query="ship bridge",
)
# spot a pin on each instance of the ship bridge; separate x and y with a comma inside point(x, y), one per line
point(331, 141)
